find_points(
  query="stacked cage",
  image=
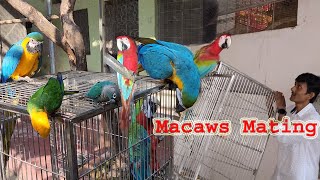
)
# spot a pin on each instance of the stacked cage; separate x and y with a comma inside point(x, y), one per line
point(226, 94)
point(85, 141)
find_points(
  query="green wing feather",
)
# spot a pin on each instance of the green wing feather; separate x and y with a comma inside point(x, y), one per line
point(48, 97)
point(144, 40)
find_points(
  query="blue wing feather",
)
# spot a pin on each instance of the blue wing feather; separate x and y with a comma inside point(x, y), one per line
point(151, 55)
point(178, 48)
point(155, 60)
point(11, 61)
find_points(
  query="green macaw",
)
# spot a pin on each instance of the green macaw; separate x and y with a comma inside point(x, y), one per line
point(45, 101)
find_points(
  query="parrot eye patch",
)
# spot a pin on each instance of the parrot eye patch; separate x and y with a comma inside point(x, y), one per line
point(114, 95)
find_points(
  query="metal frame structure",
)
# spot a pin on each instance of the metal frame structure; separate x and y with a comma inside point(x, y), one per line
point(85, 140)
point(227, 94)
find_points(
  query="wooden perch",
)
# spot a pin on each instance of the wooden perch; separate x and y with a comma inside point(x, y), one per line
point(115, 65)
point(22, 20)
point(36, 17)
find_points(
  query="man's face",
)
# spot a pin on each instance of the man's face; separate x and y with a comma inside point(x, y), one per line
point(299, 93)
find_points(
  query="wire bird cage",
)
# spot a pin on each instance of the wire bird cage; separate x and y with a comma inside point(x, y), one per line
point(86, 143)
point(226, 94)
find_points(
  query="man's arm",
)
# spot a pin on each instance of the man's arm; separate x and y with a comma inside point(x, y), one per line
point(287, 139)
point(280, 103)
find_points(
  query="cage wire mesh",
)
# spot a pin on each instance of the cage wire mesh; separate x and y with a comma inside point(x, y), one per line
point(248, 16)
point(85, 141)
point(226, 94)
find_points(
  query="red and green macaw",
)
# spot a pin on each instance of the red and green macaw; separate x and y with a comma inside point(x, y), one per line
point(23, 59)
point(139, 145)
point(144, 118)
point(127, 56)
point(208, 57)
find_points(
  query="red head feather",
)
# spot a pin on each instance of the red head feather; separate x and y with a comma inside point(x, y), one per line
point(220, 43)
point(128, 49)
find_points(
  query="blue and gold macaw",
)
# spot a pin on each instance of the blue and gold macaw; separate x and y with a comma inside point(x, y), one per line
point(23, 59)
point(166, 60)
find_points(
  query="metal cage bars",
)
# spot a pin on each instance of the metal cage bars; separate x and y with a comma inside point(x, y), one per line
point(227, 94)
point(87, 142)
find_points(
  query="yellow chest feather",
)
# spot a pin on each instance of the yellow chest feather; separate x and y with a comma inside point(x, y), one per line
point(28, 63)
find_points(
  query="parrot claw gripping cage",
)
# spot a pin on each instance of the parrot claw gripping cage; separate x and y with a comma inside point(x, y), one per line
point(85, 141)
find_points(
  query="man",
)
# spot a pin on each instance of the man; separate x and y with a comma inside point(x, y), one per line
point(298, 157)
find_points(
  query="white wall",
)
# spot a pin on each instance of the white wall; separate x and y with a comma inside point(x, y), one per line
point(275, 58)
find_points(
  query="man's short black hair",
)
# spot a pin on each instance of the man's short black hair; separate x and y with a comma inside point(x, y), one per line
point(313, 83)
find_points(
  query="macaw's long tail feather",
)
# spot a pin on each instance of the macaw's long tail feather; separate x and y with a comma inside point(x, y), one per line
point(127, 89)
point(148, 126)
point(40, 122)
point(125, 114)
point(7, 131)
point(141, 170)
point(154, 162)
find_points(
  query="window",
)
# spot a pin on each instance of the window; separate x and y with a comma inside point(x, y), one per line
point(267, 17)
point(200, 21)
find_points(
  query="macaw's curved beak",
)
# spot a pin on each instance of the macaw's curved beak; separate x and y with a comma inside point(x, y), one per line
point(121, 45)
point(39, 46)
point(111, 101)
point(124, 46)
point(225, 44)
